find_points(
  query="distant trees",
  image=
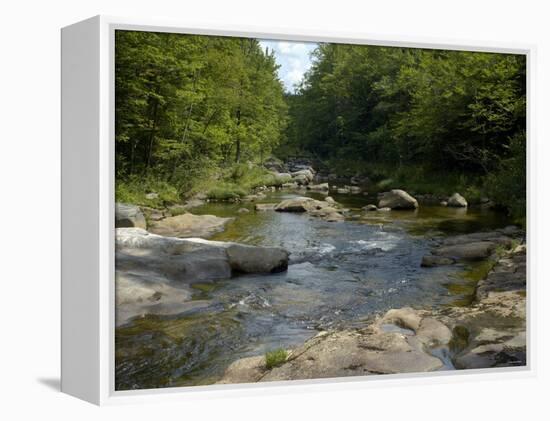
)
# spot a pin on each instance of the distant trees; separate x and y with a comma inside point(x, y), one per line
point(442, 109)
point(186, 102)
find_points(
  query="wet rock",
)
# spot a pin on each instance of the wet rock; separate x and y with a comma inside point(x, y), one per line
point(330, 200)
point(152, 196)
point(354, 352)
point(432, 261)
point(443, 203)
point(317, 208)
point(318, 187)
point(354, 189)
point(383, 209)
point(260, 207)
point(397, 199)
point(243, 210)
point(299, 204)
point(189, 225)
point(457, 201)
point(251, 259)
point(129, 216)
point(370, 208)
point(342, 190)
point(470, 251)
point(156, 272)
point(404, 317)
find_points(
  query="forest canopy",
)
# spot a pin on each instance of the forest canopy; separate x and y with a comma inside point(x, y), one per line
point(191, 108)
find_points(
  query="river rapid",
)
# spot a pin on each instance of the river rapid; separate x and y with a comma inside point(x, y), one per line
point(340, 275)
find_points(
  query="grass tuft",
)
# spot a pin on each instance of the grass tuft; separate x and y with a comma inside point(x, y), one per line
point(275, 358)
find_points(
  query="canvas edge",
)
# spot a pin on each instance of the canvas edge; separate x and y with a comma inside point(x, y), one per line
point(107, 394)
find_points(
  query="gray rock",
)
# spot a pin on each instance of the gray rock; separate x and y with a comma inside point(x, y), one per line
point(260, 207)
point(127, 216)
point(429, 261)
point(299, 204)
point(470, 251)
point(342, 190)
point(243, 210)
point(370, 208)
point(318, 187)
point(189, 225)
point(251, 259)
point(457, 201)
point(154, 273)
point(398, 199)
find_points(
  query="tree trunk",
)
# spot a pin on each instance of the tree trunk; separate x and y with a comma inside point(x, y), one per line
point(238, 152)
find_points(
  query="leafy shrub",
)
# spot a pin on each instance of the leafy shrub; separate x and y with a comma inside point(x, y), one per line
point(225, 191)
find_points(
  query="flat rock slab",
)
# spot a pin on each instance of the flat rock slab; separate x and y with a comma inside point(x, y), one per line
point(154, 273)
point(189, 225)
point(354, 352)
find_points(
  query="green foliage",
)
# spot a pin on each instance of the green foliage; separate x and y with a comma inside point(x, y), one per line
point(134, 190)
point(187, 105)
point(507, 185)
point(225, 191)
point(275, 358)
point(424, 116)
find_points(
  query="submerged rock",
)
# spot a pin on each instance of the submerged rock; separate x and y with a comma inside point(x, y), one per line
point(127, 216)
point(457, 201)
point(429, 261)
point(189, 225)
point(397, 199)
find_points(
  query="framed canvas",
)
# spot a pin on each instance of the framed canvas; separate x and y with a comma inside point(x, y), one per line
point(246, 209)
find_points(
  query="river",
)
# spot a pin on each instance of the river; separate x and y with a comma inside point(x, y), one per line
point(340, 275)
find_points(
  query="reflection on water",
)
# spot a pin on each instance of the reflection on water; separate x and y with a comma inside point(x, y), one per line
point(340, 275)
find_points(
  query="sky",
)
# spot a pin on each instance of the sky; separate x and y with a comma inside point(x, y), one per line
point(294, 59)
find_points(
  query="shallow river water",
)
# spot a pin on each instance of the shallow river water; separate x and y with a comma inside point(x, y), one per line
point(340, 275)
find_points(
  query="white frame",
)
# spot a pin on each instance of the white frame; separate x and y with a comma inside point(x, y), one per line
point(88, 213)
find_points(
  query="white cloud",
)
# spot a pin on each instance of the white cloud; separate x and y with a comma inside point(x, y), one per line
point(294, 59)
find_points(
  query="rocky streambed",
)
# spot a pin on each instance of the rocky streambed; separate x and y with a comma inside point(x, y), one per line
point(346, 288)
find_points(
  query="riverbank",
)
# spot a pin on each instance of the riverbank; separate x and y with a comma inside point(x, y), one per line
point(489, 333)
point(342, 271)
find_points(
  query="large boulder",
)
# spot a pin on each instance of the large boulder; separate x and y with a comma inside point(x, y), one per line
point(302, 176)
point(282, 177)
point(318, 208)
point(189, 225)
point(457, 201)
point(154, 273)
point(298, 204)
point(251, 259)
point(128, 216)
point(397, 199)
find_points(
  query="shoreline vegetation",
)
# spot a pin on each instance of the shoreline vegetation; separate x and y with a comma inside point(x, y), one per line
point(203, 119)
point(201, 115)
